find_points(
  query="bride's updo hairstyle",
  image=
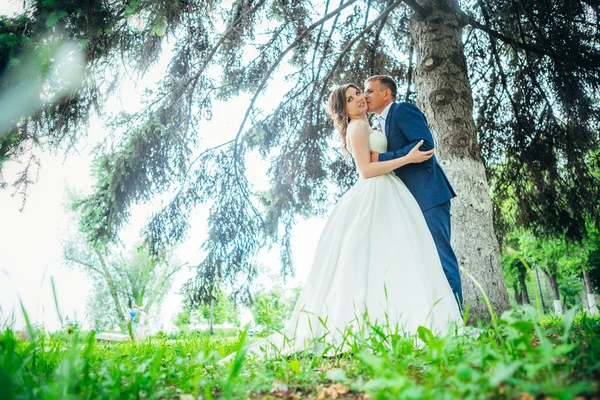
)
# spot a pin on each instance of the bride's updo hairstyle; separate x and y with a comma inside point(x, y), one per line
point(336, 108)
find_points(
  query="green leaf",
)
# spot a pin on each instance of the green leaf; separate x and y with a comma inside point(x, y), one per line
point(503, 371)
point(567, 321)
point(131, 9)
point(295, 367)
point(337, 375)
point(464, 371)
point(161, 26)
point(371, 361)
point(562, 349)
point(426, 335)
point(54, 17)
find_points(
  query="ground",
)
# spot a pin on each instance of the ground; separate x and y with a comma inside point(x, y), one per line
point(518, 357)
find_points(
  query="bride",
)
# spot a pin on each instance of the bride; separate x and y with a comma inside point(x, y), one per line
point(376, 262)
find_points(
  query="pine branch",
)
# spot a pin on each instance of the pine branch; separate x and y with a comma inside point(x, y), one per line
point(314, 101)
point(498, 62)
point(263, 83)
point(318, 41)
point(421, 11)
point(377, 39)
point(75, 260)
point(411, 50)
point(278, 61)
point(353, 42)
point(224, 37)
point(590, 60)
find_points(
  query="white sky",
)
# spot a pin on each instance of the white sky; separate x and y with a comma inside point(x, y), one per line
point(30, 251)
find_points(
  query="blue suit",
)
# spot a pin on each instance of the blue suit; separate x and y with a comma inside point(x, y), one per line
point(405, 126)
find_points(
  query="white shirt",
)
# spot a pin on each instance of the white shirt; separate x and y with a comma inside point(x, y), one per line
point(383, 116)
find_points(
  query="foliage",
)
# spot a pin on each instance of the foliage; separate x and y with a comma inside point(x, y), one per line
point(120, 281)
point(553, 255)
point(593, 263)
point(224, 310)
point(533, 68)
point(30, 45)
point(272, 308)
point(523, 358)
point(535, 110)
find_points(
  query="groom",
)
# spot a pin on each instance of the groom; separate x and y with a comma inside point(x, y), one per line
point(404, 126)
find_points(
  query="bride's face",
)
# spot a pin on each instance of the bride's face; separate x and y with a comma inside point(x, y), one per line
point(356, 104)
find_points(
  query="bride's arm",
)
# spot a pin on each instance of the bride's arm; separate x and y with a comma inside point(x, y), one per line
point(358, 134)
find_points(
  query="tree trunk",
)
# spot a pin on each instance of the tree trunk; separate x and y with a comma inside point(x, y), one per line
point(555, 293)
point(518, 297)
point(444, 94)
point(591, 300)
point(212, 317)
point(539, 288)
point(523, 284)
point(112, 289)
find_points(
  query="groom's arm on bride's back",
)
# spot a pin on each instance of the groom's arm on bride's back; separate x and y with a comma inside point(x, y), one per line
point(412, 123)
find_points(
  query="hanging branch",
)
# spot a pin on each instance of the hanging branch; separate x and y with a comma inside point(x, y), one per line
point(590, 59)
point(261, 87)
point(353, 42)
point(377, 39)
point(411, 50)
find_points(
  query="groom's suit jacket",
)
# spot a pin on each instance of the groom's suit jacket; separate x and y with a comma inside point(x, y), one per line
point(405, 126)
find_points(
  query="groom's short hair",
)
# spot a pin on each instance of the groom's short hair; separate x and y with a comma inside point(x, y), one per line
point(387, 81)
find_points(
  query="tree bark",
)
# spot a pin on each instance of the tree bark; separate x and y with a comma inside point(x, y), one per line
point(518, 297)
point(523, 284)
point(212, 317)
point(552, 278)
point(112, 289)
point(591, 300)
point(444, 94)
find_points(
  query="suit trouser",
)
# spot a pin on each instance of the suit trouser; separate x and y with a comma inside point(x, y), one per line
point(438, 221)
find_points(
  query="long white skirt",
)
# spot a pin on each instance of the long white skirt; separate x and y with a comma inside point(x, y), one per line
point(375, 264)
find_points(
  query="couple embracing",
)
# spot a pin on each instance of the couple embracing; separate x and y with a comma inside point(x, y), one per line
point(384, 256)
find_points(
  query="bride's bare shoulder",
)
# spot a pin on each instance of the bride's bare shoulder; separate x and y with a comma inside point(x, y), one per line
point(359, 127)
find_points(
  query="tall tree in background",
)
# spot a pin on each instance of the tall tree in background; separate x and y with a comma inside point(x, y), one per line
point(527, 70)
point(120, 281)
point(273, 307)
point(591, 269)
point(219, 311)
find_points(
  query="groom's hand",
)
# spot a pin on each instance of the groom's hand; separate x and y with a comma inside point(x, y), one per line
point(374, 156)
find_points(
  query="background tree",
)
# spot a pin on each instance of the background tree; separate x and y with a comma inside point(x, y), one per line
point(219, 311)
point(273, 307)
point(527, 70)
point(591, 268)
point(35, 64)
point(120, 280)
point(515, 274)
point(563, 263)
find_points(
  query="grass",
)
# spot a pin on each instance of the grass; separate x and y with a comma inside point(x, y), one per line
point(520, 358)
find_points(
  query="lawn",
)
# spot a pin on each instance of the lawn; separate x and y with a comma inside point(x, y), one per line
point(517, 357)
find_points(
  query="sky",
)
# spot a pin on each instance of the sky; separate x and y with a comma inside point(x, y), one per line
point(30, 241)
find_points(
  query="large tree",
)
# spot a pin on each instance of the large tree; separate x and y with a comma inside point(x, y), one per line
point(508, 88)
point(120, 280)
point(216, 312)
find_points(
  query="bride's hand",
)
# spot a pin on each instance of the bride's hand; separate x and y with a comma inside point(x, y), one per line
point(417, 156)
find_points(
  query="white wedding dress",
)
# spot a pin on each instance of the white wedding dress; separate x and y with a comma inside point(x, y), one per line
point(375, 261)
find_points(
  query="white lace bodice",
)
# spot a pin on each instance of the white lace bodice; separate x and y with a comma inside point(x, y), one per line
point(377, 142)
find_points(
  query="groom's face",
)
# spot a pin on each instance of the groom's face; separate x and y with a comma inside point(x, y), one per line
point(376, 95)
